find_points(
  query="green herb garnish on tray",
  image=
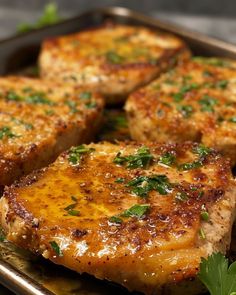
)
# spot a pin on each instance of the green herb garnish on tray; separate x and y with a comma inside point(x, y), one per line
point(49, 16)
point(216, 274)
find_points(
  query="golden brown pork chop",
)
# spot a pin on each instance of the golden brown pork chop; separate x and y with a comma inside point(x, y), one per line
point(196, 101)
point(138, 215)
point(39, 120)
point(113, 59)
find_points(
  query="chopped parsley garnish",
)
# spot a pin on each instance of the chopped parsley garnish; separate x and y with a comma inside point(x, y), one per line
point(202, 151)
point(121, 121)
point(49, 112)
point(70, 208)
point(85, 95)
point(181, 196)
point(141, 159)
point(179, 96)
point(56, 248)
point(31, 97)
point(222, 84)
point(213, 61)
point(115, 219)
point(11, 95)
point(186, 110)
point(91, 105)
point(205, 216)
point(202, 234)
point(75, 153)
point(114, 58)
point(38, 98)
point(7, 132)
point(28, 126)
point(207, 73)
point(136, 211)
point(72, 106)
point(74, 212)
point(232, 120)
point(167, 159)
point(142, 185)
point(189, 166)
point(216, 274)
point(2, 235)
point(120, 180)
point(207, 103)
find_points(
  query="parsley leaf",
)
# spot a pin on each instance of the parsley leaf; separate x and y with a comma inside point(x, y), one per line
point(167, 159)
point(142, 185)
point(50, 16)
point(114, 58)
point(115, 219)
point(207, 103)
point(141, 159)
point(136, 211)
point(185, 110)
point(56, 248)
point(183, 90)
point(85, 95)
point(202, 151)
point(5, 131)
point(213, 61)
point(76, 152)
point(217, 276)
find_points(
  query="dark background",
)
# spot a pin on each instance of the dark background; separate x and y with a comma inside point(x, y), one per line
point(213, 17)
point(205, 7)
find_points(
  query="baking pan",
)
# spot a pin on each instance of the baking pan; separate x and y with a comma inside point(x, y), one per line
point(21, 271)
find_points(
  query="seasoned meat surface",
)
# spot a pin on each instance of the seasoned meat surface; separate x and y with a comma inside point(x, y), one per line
point(195, 101)
point(141, 215)
point(39, 120)
point(113, 59)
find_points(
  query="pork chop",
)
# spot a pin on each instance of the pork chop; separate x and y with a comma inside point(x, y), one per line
point(195, 101)
point(39, 120)
point(113, 59)
point(141, 215)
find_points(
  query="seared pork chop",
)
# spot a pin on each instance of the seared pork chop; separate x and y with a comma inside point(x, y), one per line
point(113, 59)
point(39, 120)
point(195, 101)
point(139, 215)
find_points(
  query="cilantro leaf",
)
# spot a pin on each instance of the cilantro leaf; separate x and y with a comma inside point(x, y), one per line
point(217, 276)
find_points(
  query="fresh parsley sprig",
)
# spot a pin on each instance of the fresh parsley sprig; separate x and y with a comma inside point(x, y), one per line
point(216, 274)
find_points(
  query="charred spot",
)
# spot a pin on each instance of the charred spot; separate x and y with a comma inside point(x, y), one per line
point(162, 217)
point(77, 233)
point(33, 147)
point(213, 195)
point(198, 175)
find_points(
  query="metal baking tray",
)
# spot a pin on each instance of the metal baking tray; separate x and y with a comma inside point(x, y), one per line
point(21, 271)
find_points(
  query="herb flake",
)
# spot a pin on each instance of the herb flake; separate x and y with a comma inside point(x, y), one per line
point(141, 159)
